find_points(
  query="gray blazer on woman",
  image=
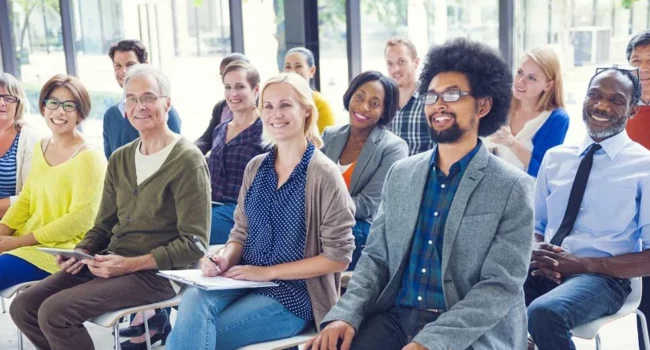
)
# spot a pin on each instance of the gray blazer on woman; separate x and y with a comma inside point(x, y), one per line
point(381, 150)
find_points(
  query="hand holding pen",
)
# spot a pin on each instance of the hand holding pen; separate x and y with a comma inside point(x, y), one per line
point(211, 265)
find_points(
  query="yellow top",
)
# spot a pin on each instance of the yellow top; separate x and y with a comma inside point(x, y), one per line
point(325, 115)
point(58, 204)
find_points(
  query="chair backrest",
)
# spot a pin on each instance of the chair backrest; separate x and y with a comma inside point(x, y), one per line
point(635, 296)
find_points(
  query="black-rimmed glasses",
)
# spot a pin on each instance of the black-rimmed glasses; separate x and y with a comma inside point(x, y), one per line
point(53, 104)
point(623, 67)
point(9, 98)
point(450, 95)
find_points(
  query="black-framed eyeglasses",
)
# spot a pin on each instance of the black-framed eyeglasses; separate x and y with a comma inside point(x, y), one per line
point(53, 104)
point(9, 98)
point(450, 95)
point(623, 67)
point(144, 99)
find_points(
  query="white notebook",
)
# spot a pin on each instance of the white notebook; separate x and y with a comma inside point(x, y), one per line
point(195, 278)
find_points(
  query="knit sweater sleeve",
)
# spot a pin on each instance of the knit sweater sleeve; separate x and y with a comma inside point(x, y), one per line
point(85, 194)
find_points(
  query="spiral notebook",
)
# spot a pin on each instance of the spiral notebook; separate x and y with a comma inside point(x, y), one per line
point(195, 278)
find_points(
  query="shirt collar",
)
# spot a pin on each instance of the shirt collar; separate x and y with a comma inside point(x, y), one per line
point(122, 107)
point(463, 162)
point(611, 146)
point(641, 103)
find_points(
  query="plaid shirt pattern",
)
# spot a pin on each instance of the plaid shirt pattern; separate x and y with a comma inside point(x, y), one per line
point(422, 281)
point(410, 124)
point(228, 161)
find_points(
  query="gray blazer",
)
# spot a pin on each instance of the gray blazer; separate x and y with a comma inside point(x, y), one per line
point(486, 250)
point(381, 150)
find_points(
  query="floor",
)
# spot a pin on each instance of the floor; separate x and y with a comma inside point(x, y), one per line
point(620, 335)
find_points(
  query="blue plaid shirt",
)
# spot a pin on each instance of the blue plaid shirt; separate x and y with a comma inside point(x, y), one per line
point(422, 281)
point(228, 161)
point(410, 124)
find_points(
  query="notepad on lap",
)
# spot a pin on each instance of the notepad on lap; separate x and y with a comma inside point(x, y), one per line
point(195, 278)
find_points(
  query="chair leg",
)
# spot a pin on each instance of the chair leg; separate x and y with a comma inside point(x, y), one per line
point(644, 328)
point(20, 339)
point(146, 331)
point(2, 303)
point(597, 341)
point(116, 335)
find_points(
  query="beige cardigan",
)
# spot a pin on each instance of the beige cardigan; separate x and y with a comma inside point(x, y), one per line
point(29, 136)
point(329, 215)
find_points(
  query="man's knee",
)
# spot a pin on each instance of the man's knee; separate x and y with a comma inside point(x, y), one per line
point(543, 314)
point(56, 312)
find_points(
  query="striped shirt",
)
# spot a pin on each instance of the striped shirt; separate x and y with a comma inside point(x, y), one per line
point(411, 125)
point(422, 285)
point(228, 160)
point(8, 170)
point(277, 231)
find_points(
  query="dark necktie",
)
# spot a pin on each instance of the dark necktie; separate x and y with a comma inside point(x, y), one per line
point(575, 198)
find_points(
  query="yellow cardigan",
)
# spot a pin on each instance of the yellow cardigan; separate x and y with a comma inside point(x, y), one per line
point(325, 114)
point(58, 204)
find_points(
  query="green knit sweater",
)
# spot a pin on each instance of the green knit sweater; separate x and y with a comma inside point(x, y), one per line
point(160, 215)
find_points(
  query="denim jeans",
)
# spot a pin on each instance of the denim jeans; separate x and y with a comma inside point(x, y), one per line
point(360, 231)
point(230, 319)
point(645, 308)
point(222, 222)
point(392, 329)
point(553, 310)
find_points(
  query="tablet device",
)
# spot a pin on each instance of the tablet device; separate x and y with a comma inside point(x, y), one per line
point(66, 253)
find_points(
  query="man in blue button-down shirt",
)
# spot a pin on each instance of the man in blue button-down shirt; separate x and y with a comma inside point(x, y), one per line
point(587, 276)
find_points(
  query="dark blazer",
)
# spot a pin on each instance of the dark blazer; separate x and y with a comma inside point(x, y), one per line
point(382, 149)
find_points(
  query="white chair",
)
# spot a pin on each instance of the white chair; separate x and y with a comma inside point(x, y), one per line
point(112, 319)
point(590, 330)
point(283, 343)
point(9, 293)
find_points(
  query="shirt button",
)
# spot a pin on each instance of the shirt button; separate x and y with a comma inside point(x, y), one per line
point(430, 242)
point(419, 298)
point(424, 270)
point(435, 214)
point(443, 186)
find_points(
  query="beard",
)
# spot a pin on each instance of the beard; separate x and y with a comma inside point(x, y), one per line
point(617, 126)
point(451, 134)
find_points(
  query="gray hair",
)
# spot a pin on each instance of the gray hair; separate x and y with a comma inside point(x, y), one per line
point(13, 87)
point(151, 72)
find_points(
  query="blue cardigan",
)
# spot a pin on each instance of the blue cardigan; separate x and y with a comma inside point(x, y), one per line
point(551, 134)
point(118, 131)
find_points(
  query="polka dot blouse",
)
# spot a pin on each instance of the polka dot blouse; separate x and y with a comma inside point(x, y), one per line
point(277, 231)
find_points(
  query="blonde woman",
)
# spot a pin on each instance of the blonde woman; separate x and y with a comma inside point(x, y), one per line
point(61, 195)
point(17, 140)
point(293, 226)
point(538, 121)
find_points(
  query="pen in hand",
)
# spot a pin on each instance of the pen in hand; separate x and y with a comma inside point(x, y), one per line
point(199, 245)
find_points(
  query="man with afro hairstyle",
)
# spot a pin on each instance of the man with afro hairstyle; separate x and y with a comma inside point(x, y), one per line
point(448, 252)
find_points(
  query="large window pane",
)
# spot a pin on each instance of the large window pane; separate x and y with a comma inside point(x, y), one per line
point(185, 38)
point(38, 41)
point(425, 22)
point(264, 40)
point(333, 55)
point(585, 34)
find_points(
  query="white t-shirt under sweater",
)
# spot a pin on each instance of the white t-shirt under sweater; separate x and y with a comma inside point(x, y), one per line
point(146, 166)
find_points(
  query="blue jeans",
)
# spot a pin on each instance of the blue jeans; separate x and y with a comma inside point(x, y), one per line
point(230, 319)
point(222, 222)
point(553, 310)
point(14, 270)
point(360, 231)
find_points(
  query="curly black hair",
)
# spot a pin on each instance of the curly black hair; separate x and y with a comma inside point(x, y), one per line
point(391, 93)
point(487, 72)
point(636, 84)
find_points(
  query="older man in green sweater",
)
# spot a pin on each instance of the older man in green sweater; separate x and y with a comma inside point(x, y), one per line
point(156, 197)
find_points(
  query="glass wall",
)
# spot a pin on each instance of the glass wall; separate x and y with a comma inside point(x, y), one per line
point(185, 38)
point(425, 22)
point(585, 34)
point(264, 39)
point(333, 55)
point(38, 41)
